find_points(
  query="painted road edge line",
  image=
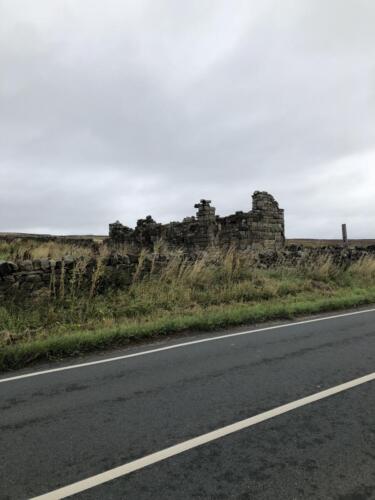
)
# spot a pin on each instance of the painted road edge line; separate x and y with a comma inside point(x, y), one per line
point(182, 344)
point(159, 456)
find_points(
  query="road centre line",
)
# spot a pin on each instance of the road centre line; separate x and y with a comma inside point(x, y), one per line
point(183, 344)
point(172, 451)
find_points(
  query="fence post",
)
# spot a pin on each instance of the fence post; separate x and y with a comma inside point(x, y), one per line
point(344, 235)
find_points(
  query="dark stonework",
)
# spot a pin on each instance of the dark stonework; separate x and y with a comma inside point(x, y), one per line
point(262, 227)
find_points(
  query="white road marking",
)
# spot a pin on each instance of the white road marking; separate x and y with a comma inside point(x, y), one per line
point(183, 344)
point(123, 470)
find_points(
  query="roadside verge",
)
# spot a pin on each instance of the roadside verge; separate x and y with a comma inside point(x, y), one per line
point(212, 318)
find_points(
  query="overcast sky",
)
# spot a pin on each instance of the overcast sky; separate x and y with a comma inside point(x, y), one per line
point(118, 109)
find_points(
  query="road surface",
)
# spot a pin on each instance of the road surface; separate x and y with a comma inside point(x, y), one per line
point(64, 428)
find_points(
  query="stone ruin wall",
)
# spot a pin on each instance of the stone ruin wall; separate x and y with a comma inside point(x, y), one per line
point(260, 230)
point(262, 227)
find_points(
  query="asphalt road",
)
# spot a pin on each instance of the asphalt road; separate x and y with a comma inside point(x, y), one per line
point(58, 428)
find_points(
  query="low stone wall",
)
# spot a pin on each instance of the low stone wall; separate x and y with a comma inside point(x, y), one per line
point(30, 277)
point(294, 255)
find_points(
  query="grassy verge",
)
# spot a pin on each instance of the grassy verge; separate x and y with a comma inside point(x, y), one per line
point(57, 346)
point(215, 291)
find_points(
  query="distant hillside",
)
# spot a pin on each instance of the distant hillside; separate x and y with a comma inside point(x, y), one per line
point(50, 237)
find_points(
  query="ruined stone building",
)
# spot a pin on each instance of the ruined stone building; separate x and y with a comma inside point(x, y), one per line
point(261, 227)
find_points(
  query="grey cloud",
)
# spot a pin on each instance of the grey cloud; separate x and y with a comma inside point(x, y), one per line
point(118, 110)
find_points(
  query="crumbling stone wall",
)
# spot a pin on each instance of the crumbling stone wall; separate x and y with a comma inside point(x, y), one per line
point(262, 227)
point(28, 277)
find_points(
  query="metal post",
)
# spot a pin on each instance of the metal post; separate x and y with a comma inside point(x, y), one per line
point(344, 235)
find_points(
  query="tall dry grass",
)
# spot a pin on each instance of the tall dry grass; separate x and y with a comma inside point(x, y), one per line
point(22, 249)
point(364, 269)
point(178, 286)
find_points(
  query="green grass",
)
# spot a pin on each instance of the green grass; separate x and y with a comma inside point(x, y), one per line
point(216, 291)
point(57, 346)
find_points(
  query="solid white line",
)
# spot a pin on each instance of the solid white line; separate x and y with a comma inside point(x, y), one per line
point(183, 344)
point(123, 470)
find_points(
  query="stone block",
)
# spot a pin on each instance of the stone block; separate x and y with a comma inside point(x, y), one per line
point(45, 264)
point(26, 265)
point(69, 262)
point(37, 264)
point(10, 279)
point(7, 268)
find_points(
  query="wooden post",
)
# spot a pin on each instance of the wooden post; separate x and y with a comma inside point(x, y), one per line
point(344, 235)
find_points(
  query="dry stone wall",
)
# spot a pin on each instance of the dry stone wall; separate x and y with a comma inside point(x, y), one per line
point(29, 277)
point(262, 227)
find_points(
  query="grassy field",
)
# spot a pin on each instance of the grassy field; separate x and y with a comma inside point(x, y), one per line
point(23, 248)
point(215, 291)
point(314, 243)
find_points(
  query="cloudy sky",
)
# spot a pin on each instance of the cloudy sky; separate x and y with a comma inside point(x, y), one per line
point(118, 109)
